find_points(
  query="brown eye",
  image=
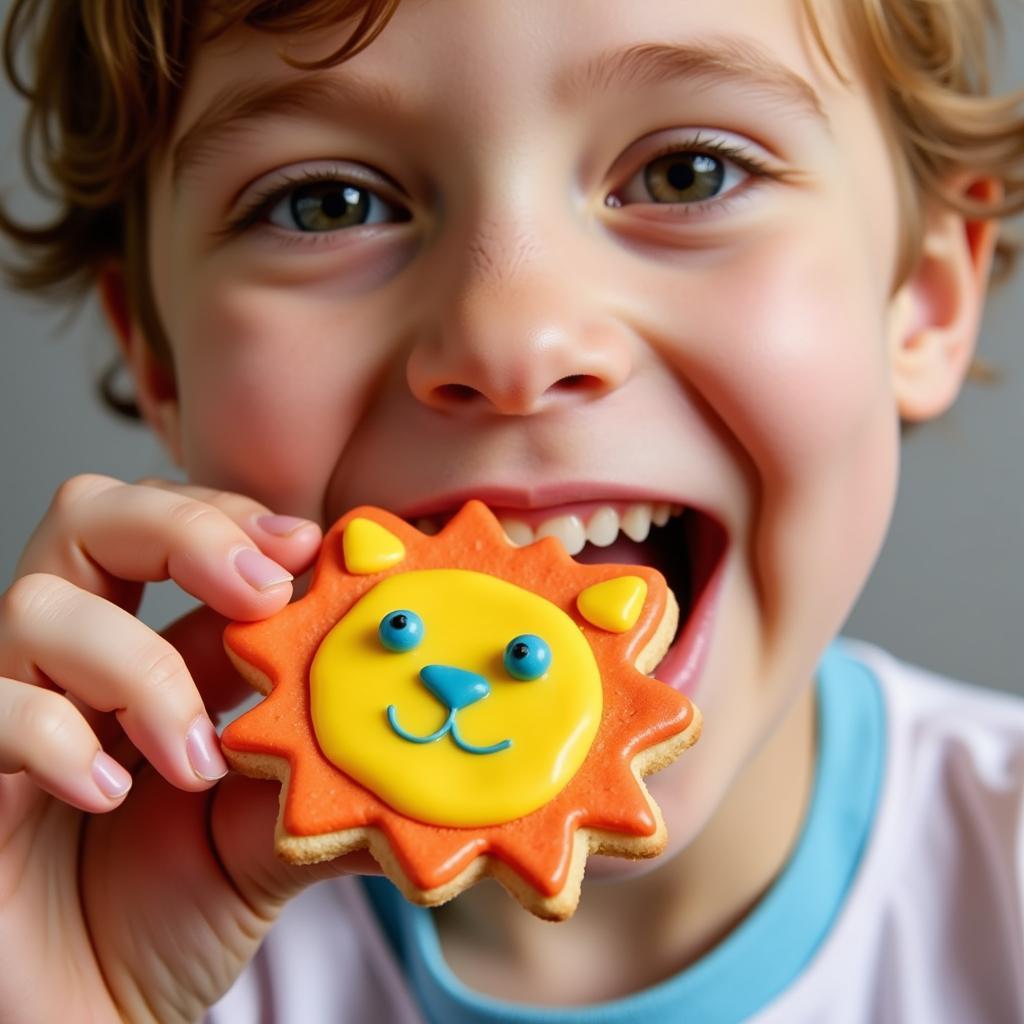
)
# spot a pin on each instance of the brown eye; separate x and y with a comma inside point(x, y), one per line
point(697, 172)
point(684, 177)
point(318, 207)
point(327, 205)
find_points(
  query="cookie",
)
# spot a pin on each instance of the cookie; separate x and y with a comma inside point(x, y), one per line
point(462, 707)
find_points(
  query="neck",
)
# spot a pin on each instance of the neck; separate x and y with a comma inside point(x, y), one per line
point(627, 935)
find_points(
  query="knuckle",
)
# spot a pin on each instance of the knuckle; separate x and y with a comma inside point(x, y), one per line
point(37, 595)
point(161, 667)
point(77, 489)
point(47, 720)
point(190, 513)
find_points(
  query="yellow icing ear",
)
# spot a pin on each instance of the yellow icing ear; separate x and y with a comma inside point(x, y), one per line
point(369, 548)
point(615, 604)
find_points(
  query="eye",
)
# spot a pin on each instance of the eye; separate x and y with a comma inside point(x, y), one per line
point(690, 173)
point(330, 205)
point(317, 202)
point(527, 657)
point(401, 630)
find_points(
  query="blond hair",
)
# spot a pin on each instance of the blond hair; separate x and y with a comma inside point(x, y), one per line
point(107, 76)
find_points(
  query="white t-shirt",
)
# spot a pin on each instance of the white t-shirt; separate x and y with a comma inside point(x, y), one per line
point(903, 901)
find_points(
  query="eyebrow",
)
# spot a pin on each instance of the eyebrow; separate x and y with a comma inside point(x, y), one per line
point(241, 107)
point(717, 61)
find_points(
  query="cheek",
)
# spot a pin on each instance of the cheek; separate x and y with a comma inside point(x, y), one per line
point(812, 403)
point(796, 361)
point(271, 386)
point(790, 357)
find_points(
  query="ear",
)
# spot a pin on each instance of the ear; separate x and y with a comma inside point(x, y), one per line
point(368, 547)
point(155, 388)
point(614, 605)
point(935, 316)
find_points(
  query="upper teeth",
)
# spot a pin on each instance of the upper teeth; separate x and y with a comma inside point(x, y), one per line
point(600, 530)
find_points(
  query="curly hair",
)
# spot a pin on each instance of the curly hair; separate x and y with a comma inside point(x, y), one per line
point(107, 77)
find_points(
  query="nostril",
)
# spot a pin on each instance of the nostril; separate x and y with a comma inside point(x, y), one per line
point(513, 397)
point(578, 382)
point(459, 394)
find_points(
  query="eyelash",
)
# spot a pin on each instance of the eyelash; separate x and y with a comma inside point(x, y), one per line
point(716, 147)
point(265, 201)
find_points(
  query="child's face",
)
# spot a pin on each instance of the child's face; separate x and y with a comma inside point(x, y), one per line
point(500, 327)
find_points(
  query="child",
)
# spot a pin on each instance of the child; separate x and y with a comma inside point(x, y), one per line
point(563, 257)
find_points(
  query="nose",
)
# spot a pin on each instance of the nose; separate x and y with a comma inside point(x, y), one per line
point(515, 333)
point(455, 687)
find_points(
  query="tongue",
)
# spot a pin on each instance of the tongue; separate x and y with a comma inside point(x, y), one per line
point(624, 551)
point(665, 550)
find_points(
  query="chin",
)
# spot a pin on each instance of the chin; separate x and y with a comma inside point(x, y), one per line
point(608, 870)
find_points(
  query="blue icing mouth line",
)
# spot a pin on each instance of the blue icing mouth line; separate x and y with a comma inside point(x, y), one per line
point(449, 726)
point(393, 722)
point(469, 748)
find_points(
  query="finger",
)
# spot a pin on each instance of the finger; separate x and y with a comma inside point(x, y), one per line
point(199, 638)
point(99, 532)
point(290, 540)
point(42, 734)
point(104, 656)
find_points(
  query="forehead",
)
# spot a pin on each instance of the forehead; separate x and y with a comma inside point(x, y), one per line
point(430, 28)
point(537, 86)
point(494, 56)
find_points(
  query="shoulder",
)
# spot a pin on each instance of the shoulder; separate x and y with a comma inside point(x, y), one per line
point(926, 707)
point(933, 924)
point(945, 869)
point(954, 755)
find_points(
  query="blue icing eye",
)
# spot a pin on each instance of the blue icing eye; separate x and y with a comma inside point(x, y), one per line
point(527, 657)
point(401, 630)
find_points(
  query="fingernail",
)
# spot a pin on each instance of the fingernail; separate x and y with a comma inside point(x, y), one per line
point(282, 526)
point(109, 776)
point(260, 572)
point(203, 750)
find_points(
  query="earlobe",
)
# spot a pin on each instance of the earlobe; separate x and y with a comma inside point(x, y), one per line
point(155, 387)
point(936, 314)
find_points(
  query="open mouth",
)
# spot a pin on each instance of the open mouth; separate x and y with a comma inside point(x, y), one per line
point(685, 544)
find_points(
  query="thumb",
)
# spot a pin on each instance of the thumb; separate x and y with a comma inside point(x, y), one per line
point(242, 823)
point(244, 811)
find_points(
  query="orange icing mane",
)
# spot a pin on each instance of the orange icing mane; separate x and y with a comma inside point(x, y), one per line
point(637, 712)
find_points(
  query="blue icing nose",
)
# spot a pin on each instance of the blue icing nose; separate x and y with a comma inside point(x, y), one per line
point(455, 687)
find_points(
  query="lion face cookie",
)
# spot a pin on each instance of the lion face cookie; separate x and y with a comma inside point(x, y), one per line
point(463, 707)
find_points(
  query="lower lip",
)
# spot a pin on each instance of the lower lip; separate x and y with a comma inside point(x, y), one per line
point(682, 666)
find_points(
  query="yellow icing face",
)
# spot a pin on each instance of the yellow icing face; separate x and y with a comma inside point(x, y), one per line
point(444, 731)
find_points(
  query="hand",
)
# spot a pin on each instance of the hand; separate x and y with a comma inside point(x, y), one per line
point(133, 886)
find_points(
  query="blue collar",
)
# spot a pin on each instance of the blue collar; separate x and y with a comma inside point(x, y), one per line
point(772, 945)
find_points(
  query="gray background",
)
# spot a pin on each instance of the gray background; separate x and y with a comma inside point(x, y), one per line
point(946, 592)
